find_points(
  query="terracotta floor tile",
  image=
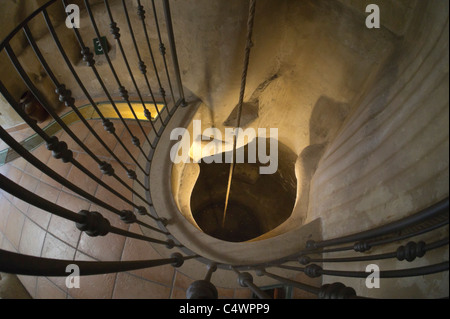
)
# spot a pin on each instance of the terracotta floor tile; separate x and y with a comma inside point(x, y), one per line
point(55, 248)
point(13, 174)
point(5, 207)
point(178, 293)
point(6, 244)
point(59, 167)
point(113, 218)
point(81, 131)
point(19, 136)
point(120, 186)
point(72, 202)
point(126, 138)
point(182, 281)
point(39, 216)
point(29, 282)
point(47, 290)
point(29, 183)
point(113, 200)
point(14, 226)
point(123, 154)
point(139, 250)
point(93, 287)
point(65, 241)
point(107, 247)
point(82, 180)
point(131, 287)
point(19, 163)
point(43, 154)
point(109, 140)
point(225, 293)
point(66, 229)
point(32, 239)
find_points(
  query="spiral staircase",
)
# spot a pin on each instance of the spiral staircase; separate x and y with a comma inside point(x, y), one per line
point(87, 177)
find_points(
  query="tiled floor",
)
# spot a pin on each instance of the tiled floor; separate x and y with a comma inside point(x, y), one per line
point(29, 230)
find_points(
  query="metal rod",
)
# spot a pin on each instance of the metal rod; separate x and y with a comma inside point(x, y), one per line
point(35, 200)
point(141, 13)
point(410, 272)
point(49, 109)
point(82, 86)
point(393, 254)
point(126, 233)
point(40, 98)
point(162, 48)
point(24, 22)
point(248, 46)
point(130, 72)
point(142, 65)
point(25, 117)
point(172, 45)
point(48, 171)
point(124, 93)
point(102, 84)
point(430, 212)
point(11, 262)
point(246, 280)
point(69, 100)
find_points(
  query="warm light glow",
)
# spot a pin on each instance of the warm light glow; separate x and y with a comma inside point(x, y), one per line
point(124, 109)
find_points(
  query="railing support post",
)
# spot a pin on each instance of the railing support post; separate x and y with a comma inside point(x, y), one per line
point(173, 50)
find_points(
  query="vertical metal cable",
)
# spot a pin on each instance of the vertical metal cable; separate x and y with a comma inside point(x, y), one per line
point(251, 16)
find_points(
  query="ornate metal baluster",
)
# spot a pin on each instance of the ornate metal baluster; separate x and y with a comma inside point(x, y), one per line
point(173, 49)
point(143, 68)
point(162, 92)
point(88, 58)
point(246, 280)
point(122, 90)
point(60, 148)
point(65, 96)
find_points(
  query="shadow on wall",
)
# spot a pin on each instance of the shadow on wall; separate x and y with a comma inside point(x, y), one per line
point(327, 117)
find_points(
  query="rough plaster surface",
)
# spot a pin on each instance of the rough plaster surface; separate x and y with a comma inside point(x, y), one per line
point(390, 159)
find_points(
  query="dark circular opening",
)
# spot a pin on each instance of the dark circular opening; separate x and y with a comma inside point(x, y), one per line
point(241, 223)
point(257, 203)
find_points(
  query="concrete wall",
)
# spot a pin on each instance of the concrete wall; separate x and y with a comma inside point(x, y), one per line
point(390, 159)
point(310, 61)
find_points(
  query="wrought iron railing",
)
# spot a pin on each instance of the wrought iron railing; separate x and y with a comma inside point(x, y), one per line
point(358, 245)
